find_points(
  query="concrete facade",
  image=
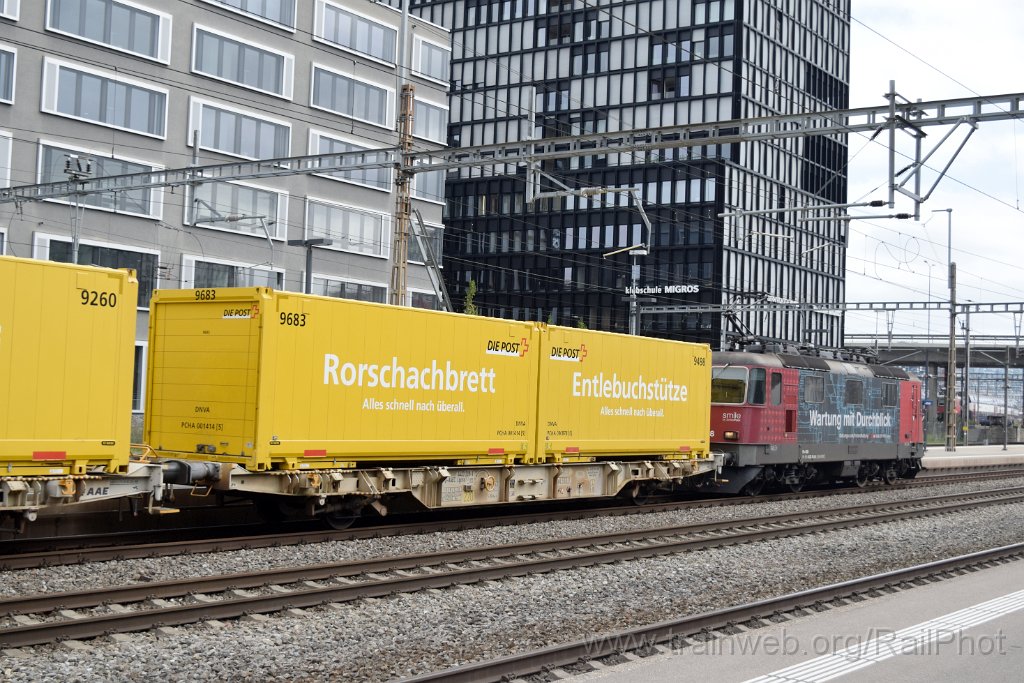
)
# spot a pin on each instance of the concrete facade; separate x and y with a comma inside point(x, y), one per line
point(125, 86)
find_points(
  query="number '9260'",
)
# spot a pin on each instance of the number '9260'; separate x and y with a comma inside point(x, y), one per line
point(293, 319)
point(91, 297)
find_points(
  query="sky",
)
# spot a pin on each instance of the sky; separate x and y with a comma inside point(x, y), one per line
point(937, 50)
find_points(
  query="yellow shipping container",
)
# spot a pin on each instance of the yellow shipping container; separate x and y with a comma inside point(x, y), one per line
point(67, 345)
point(279, 380)
point(613, 395)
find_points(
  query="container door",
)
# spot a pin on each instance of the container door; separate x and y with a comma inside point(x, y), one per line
point(203, 371)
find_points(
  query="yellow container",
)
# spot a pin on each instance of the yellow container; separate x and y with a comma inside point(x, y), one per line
point(279, 380)
point(67, 348)
point(613, 395)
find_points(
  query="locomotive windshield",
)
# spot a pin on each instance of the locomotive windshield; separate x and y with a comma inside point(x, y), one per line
point(737, 385)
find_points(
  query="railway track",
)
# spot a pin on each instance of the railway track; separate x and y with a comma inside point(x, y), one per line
point(77, 550)
point(647, 639)
point(45, 618)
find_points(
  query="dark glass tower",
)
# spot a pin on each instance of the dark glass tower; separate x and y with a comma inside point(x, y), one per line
point(552, 68)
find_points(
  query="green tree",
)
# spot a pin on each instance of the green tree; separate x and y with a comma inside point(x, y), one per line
point(469, 308)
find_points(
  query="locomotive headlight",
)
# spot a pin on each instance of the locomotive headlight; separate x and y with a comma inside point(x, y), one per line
point(731, 436)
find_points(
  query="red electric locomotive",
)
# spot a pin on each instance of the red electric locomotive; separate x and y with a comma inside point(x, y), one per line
point(786, 420)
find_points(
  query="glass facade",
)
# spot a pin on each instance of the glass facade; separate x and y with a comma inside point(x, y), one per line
point(8, 58)
point(276, 11)
point(52, 162)
point(237, 61)
point(143, 263)
point(593, 68)
point(108, 22)
point(104, 100)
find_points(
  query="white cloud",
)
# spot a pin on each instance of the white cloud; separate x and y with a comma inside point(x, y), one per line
point(935, 50)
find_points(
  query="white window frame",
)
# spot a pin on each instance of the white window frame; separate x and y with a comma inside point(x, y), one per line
point(318, 32)
point(14, 73)
point(195, 106)
point(386, 227)
point(314, 148)
point(143, 367)
point(13, 7)
point(6, 147)
point(276, 224)
point(156, 198)
point(417, 58)
point(408, 297)
point(188, 268)
point(163, 49)
point(444, 133)
point(429, 200)
point(436, 226)
point(41, 251)
point(51, 69)
point(257, 17)
point(354, 281)
point(288, 65)
point(389, 96)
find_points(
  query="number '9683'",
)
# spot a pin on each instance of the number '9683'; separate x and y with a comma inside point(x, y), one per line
point(293, 319)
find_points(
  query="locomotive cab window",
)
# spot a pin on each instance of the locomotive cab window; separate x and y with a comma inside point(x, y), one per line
point(890, 395)
point(755, 388)
point(814, 389)
point(728, 384)
point(776, 388)
point(854, 392)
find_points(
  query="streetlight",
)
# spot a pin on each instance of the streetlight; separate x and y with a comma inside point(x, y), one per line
point(309, 244)
point(951, 363)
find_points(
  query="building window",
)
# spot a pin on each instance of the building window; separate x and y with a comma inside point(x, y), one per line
point(426, 300)
point(8, 58)
point(139, 378)
point(349, 97)
point(5, 158)
point(237, 61)
point(3, 242)
point(378, 178)
point(433, 60)
point(238, 208)
point(434, 239)
point(231, 131)
point(9, 9)
point(430, 121)
point(429, 185)
point(345, 289)
point(107, 100)
point(351, 31)
point(204, 273)
point(351, 229)
point(142, 202)
point(143, 262)
point(121, 25)
point(281, 12)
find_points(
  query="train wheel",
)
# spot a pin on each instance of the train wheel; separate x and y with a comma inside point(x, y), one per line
point(755, 487)
point(339, 521)
point(890, 476)
point(796, 486)
point(862, 478)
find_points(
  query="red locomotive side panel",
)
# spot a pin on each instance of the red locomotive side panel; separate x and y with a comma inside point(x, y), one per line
point(911, 417)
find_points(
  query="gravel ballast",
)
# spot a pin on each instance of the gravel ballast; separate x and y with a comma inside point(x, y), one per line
point(80, 577)
point(386, 638)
